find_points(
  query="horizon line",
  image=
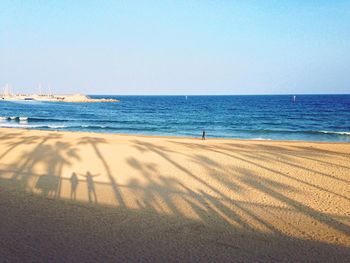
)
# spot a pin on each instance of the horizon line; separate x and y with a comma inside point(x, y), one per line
point(243, 94)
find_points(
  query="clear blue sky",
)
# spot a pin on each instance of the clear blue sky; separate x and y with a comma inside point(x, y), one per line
point(176, 47)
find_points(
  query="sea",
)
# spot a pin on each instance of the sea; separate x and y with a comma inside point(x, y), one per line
point(260, 117)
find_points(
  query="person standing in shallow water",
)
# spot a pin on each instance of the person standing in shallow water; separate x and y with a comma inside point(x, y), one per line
point(203, 135)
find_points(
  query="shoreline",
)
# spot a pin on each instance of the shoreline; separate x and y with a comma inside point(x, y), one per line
point(174, 137)
point(171, 199)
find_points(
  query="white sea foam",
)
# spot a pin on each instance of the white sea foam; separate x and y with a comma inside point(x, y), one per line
point(18, 125)
point(23, 118)
point(94, 126)
point(56, 126)
point(30, 126)
point(334, 132)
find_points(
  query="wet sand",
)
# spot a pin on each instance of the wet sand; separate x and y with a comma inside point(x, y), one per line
point(72, 197)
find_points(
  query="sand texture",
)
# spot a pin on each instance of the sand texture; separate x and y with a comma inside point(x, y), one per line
point(85, 197)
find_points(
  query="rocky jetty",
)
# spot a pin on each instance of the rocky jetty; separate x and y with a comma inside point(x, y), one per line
point(55, 98)
point(83, 98)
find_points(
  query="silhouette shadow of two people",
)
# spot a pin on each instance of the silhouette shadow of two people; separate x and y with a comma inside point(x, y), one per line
point(90, 185)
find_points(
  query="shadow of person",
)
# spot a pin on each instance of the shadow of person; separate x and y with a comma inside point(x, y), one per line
point(74, 184)
point(91, 186)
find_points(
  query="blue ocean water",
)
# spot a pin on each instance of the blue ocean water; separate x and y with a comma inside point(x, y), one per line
point(276, 117)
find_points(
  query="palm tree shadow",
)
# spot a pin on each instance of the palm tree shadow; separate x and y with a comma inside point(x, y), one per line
point(48, 185)
point(94, 142)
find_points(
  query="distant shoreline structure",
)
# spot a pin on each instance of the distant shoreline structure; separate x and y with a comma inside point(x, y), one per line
point(8, 95)
point(53, 98)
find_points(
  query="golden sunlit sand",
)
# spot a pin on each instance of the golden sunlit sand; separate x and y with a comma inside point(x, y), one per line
point(69, 197)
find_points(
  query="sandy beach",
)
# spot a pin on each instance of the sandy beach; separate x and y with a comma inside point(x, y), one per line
point(88, 197)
